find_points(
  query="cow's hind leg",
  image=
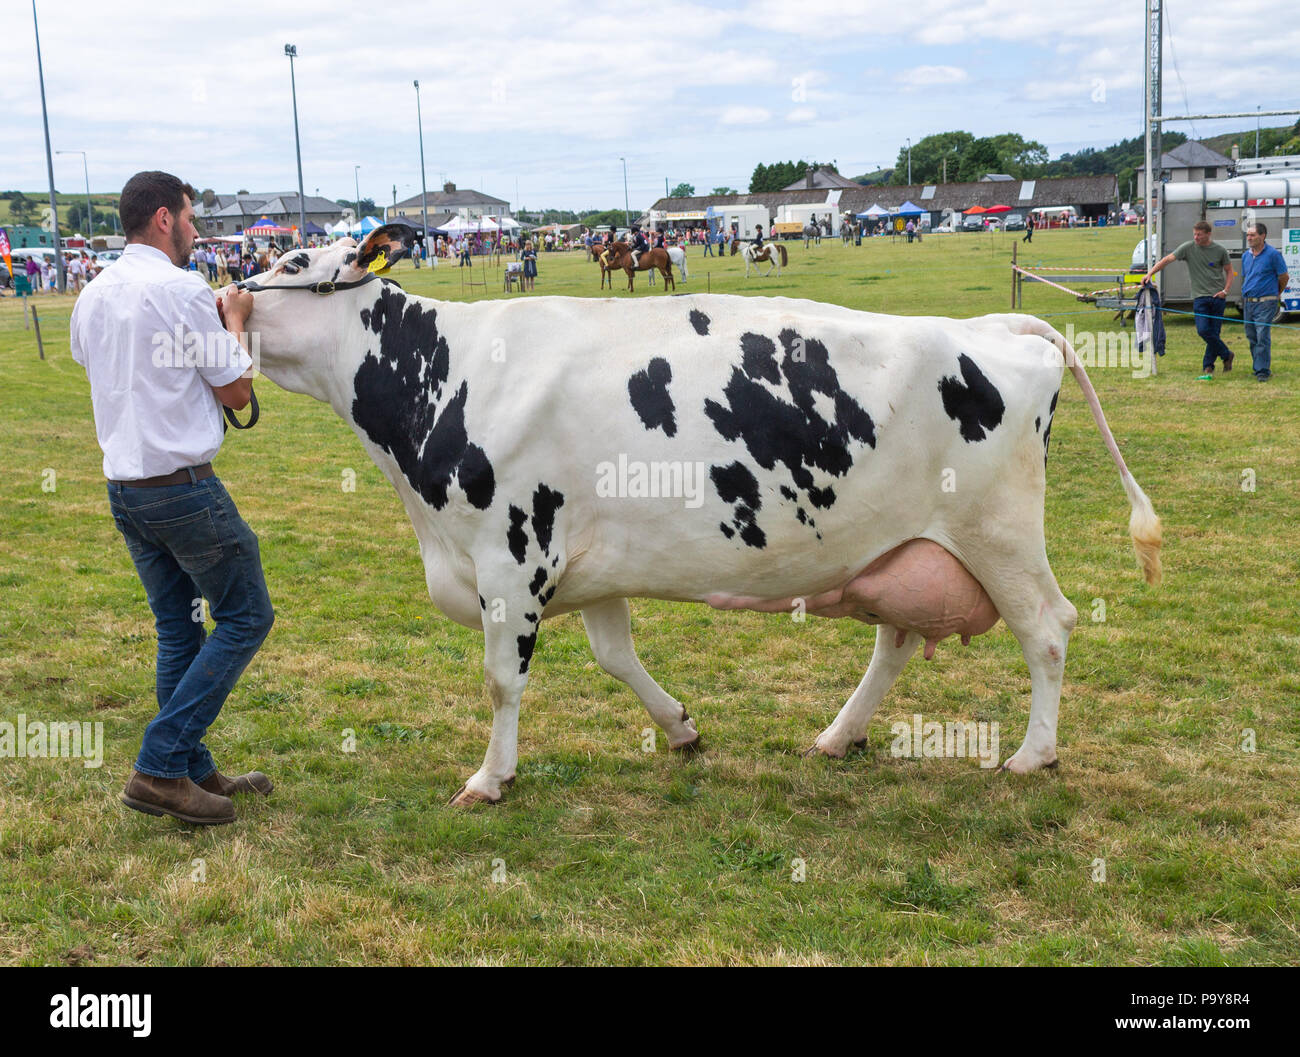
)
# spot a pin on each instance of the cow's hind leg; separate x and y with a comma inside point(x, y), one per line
point(1041, 618)
point(887, 661)
point(609, 630)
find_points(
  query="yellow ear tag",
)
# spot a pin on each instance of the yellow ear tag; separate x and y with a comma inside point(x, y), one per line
point(380, 263)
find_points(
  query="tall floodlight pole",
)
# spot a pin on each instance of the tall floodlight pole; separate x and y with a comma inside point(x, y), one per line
point(1151, 126)
point(49, 160)
point(90, 213)
point(291, 50)
point(356, 184)
point(424, 190)
point(627, 212)
point(909, 163)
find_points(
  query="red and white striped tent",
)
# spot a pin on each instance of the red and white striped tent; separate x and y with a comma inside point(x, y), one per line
point(266, 226)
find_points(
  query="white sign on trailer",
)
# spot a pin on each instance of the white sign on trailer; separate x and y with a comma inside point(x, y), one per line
point(1291, 251)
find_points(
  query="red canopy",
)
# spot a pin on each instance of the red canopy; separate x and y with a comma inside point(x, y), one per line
point(998, 209)
point(976, 209)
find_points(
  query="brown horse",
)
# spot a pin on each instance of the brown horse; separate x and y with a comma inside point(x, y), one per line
point(600, 254)
point(620, 256)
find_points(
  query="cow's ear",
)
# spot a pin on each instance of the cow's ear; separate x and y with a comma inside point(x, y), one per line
point(384, 247)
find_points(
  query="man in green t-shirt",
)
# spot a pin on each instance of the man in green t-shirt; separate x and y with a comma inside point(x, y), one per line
point(1211, 274)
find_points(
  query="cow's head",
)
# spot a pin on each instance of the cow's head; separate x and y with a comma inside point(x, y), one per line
point(300, 332)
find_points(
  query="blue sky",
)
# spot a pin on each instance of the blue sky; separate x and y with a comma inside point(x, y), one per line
point(536, 103)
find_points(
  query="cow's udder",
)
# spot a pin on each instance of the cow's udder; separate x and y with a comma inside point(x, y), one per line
point(918, 586)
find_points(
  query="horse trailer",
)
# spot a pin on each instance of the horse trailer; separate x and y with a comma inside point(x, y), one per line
point(1266, 190)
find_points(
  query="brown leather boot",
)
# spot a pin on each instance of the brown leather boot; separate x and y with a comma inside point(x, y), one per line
point(252, 782)
point(178, 797)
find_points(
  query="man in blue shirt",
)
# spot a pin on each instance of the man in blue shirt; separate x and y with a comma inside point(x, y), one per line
point(1263, 278)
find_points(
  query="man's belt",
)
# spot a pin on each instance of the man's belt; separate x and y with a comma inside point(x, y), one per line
point(201, 473)
point(1266, 297)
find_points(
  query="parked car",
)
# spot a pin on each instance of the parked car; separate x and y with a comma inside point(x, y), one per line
point(973, 223)
point(1014, 222)
point(1129, 218)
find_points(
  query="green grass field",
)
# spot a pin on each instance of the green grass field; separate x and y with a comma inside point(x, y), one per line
point(603, 853)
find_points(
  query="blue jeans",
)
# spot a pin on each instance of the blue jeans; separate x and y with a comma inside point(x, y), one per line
point(1209, 321)
point(708, 249)
point(1260, 335)
point(188, 542)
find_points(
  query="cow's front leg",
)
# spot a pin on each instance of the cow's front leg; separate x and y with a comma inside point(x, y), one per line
point(507, 650)
point(887, 661)
point(609, 630)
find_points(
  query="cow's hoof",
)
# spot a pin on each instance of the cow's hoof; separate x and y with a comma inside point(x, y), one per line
point(828, 750)
point(689, 748)
point(1025, 765)
point(467, 797)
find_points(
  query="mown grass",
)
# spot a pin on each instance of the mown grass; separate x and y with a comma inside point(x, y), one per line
point(602, 853)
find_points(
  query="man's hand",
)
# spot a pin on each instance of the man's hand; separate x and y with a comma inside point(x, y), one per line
point(234, 306)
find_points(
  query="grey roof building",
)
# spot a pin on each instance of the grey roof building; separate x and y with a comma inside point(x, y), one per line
point(820, 177)
point(450, 199)
point(1090, 195)
point(231, 214)
point(1190, 161)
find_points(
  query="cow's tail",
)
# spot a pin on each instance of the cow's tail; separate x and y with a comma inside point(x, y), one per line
point(1143, 524)
point(780, 248)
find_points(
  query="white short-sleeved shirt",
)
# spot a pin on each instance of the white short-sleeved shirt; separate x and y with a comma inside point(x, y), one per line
point(153, 347)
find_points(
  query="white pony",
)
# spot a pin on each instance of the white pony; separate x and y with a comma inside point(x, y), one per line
point(772, 252)
point(678, 257)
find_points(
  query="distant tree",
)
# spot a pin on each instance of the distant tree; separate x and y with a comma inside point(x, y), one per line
point(602, 218)
point(682, 190)
point(20, 208)
point(724, 191)
point(782, 174)
point(242, 191)
point(208, 196)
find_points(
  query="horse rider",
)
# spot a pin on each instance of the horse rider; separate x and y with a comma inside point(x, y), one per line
point(758, 238)
point(638, 245)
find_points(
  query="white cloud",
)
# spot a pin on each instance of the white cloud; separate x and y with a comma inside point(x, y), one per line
point(801, 114)
point(925, 76)
point(744, 115)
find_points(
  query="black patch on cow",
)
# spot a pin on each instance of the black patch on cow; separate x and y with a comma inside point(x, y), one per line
point(801, 515)
point(1038, 422)
point(727, 530)
point(736, 484)
point(699, 321)
point(298, 260)
point(532, 618)
point(401, 404)
point(789, 493)
point(972, 400)
point(516, 537)
point(546, 501)
point(526, 644)
point(481, 603)
point(539, 580)
point(648, 390)
point(546, 596)
point(1047, 433)
point(785, 427)
point(759, 357)
point(349, 258)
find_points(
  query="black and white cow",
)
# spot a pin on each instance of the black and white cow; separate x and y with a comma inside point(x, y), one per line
point(561, 454)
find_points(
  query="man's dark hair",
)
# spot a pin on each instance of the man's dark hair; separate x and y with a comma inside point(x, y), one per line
point(1260, 228)
point(1202, 225)
point(145, 193)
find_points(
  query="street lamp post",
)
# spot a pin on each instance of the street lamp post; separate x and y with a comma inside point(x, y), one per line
point(627, 212)
point(424, 190)
point(291, 50)
point(909, 163)
point(356, 183)
point(90, 213)
point(49, 161)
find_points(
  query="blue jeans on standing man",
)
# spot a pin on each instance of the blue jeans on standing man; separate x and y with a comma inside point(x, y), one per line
point(1259, 315)
point(188, 543)
point(1209, 321)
